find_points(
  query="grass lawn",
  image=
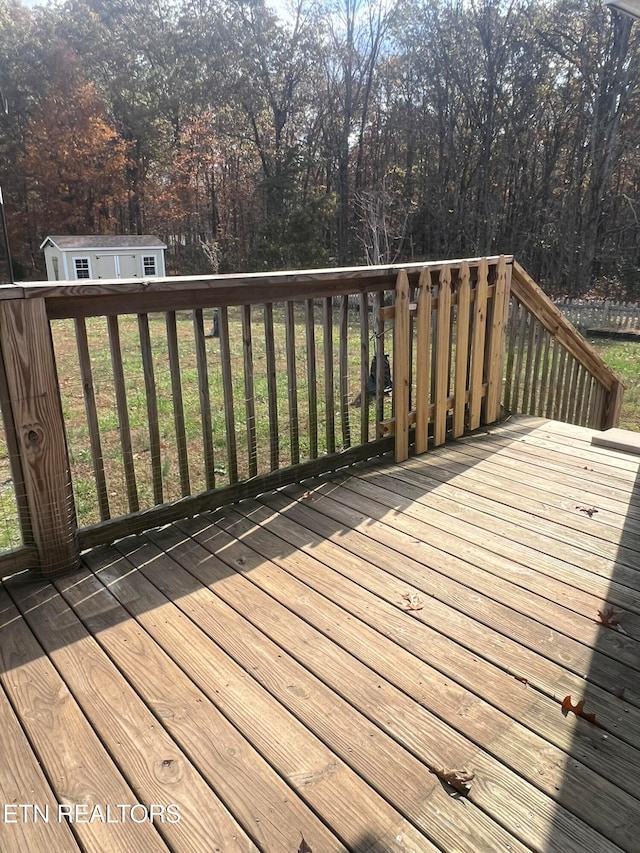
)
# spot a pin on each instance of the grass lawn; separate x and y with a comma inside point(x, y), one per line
point(624, 358)
point(269, 432)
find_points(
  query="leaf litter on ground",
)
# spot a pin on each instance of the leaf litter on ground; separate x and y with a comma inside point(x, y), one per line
point(412, 601)
point(578, 710)
point(304, 847)
point(459, 780)
point(610, 618)
point(589, 510)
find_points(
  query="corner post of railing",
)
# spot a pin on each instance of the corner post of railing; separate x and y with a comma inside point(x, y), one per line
point(612, 406)
point(496, 341)
point(401, 367)
point(34, 397)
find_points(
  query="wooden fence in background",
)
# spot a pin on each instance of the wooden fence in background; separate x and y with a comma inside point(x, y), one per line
point(604, 315)
point(123, 414)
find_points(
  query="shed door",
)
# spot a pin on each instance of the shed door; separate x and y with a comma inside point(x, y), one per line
point(104, 266)
point(128, 266)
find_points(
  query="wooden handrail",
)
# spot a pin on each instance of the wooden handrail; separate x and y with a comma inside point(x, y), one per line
point(535, 300)
point(175, 293)
point(538, 304)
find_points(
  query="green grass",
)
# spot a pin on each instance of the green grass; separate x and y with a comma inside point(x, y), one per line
point(624, 358)
point(102, 373)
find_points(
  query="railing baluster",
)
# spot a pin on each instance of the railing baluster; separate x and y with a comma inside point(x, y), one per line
point(560, 380)
point(123, 413)
point(517, 377)
point(205, 399)
point(441, 362)
point(544, 379)
point(512, 328)
point(577, 398)
point(526, 391)
point(584, 409)
point(312, 379)
point(477, 346)
point(462, 351)
point(272, 388)
point(292, 380)
point(423, 358)
point(572, 386)
point(553, 379)
point(178, 402)
point(344, 371)
point(364, 367)
point(86, 374)
point(597, 406)
point(249, 393)
point(401, 359)
point(329, 395)
point(152, 406)
point(535, 377)
point(379, 351)
point(227, 391)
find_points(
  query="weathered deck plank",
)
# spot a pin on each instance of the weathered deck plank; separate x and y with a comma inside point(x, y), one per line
point(259, 667)
point(76, 763)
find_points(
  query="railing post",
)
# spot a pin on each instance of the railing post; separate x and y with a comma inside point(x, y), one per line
point(612, 406)
point(496, 342)
point(34, 396)
point(401, 361)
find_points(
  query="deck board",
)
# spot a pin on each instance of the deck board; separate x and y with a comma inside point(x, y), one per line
point(257, 666)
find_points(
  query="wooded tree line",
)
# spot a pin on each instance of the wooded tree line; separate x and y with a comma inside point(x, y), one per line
point(339, 132)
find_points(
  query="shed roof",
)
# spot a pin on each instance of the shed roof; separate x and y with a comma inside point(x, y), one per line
point(102, 241)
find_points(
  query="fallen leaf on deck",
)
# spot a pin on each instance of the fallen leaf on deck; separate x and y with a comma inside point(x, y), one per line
point(521, 679)
point(304, 847)
point(589, 510)
point(579, 711)
point(412, 601)
point(610, 618)
point(459, 780)
point(306, 496)
point(619, 692)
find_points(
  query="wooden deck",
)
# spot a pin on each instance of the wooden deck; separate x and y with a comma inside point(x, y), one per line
point(310, 665)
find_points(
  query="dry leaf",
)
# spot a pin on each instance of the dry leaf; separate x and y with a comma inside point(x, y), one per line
point(589, 510)
point(521, 679)
point(619, 692)
point(459, 780)
point(304, 847)
point(610, 619)
point(306, 496)
point(579, 711)
point(412, 601)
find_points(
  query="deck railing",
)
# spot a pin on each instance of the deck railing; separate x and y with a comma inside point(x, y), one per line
point(551, 370)
point(129, 404)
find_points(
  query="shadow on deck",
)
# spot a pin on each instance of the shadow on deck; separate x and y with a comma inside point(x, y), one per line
point(309, 665)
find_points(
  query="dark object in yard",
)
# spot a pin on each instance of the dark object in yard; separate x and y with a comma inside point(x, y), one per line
point(621, 334)
point(215, 329)
point(373, 383)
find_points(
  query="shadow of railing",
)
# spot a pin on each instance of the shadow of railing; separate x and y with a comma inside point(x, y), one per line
point(611, 694)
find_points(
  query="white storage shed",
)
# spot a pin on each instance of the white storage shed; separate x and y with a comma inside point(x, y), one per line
point(69, 258)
